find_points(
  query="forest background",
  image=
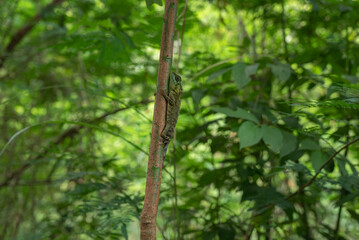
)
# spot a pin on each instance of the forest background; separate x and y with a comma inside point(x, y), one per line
point(266, 144)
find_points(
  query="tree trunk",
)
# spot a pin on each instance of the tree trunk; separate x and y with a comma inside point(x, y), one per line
point(154, 170)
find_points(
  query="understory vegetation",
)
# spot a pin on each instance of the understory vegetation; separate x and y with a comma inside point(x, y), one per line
point(266, 142)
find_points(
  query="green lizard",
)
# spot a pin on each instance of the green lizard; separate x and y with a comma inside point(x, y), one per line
point(173, 99)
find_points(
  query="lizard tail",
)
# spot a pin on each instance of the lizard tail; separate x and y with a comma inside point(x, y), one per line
point(165, 147)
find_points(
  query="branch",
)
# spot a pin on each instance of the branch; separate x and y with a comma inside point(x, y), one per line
point(24, 30)
point(180, 40)
point(154, 170)
point(176, 216)
point(301, 188)
point(283, 26)
point(67, 134)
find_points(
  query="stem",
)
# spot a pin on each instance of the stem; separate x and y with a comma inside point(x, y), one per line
point(177, 220)
point(264, 30)
point(242, 33)
point(22, 32)
point(301, 188)
point(253, 42)
point(283, 33)
point(69, 133)
point(176, 215)
point(337, 224)
point(182, 34)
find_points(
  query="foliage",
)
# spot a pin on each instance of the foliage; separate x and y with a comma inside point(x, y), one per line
point(270, 93)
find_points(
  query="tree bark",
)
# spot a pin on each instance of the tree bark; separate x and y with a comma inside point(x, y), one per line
point(154, 170)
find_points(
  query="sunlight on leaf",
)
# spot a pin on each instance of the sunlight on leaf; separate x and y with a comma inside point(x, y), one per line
point(150, 2)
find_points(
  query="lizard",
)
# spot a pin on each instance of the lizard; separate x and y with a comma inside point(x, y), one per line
point(173, 99)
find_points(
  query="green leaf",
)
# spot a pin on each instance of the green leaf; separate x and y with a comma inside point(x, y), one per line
point(281, 71)
point(348, 198)
point(309, 144)
point(341, 161)
point(251, 69)
point(83, 189)
point(241, 73)
point(352, 79)
point(239, 76)
point(297, 167)
point(317, 159)
point(124, 231)
point(349, 183)
point(289, 143)
point(238, 113)
point(150, 2)
point(197, 95)
point(226, 232)
point(353, 214)
point(272, 137)
point(264, 196)
point(249, 134)
point(218, 73)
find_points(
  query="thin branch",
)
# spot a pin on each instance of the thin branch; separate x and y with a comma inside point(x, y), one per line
point(23, 31)
point(337, 224)
point(155, 159)
point(253, 42)
point(67, 134)
point(182, 34)
point(264, 30)
point(283, 32)
point(175, 207)
point(301, 188)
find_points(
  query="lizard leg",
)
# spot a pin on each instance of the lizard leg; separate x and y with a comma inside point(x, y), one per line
point(167, 133)
point(170, 99)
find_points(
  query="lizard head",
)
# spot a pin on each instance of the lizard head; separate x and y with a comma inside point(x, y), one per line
point(176, 79)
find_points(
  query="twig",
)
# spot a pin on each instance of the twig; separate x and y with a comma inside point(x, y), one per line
point(67, 134)
point(23, 31)
point(337, 224)
point(283, 32)
point(301, 188)
point(182, 34)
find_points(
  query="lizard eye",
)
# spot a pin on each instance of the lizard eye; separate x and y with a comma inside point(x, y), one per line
point(178, 78)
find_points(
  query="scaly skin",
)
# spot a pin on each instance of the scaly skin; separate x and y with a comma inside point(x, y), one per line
point(173, 106)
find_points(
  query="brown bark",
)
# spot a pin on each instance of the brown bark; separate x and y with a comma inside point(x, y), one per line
point(154, 170)
point(23, 31)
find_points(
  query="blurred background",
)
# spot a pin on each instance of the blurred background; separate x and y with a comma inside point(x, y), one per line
point(270, 94)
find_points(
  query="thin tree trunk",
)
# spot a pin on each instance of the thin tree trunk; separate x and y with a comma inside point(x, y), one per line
point(154, 170)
